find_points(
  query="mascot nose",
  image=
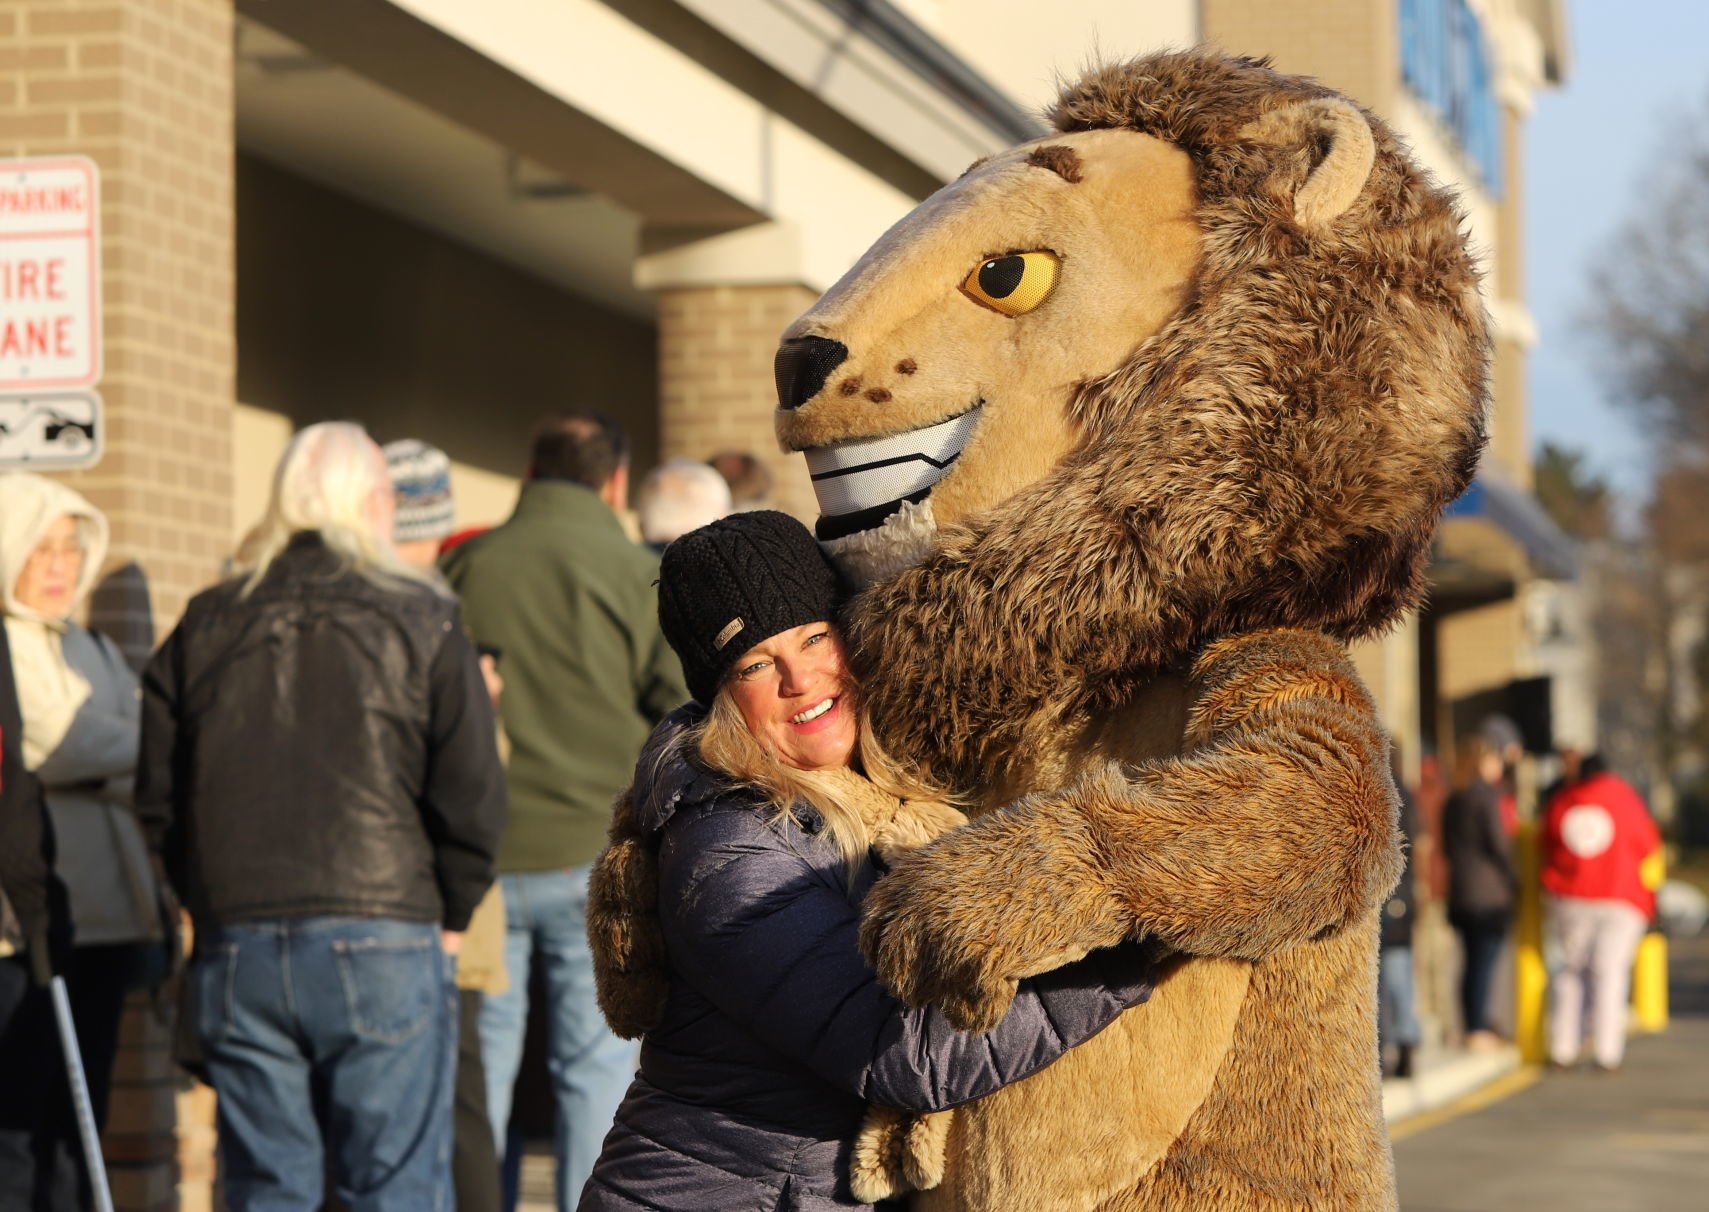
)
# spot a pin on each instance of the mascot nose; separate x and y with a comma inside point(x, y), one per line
point(802, 367)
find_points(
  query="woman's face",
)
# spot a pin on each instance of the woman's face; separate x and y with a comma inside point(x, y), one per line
point(48, 583)
point(791, 691)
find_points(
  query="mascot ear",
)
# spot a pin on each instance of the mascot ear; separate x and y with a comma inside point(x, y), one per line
point(1337, 138)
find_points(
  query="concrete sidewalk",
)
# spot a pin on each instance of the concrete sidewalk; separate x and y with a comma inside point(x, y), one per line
point(1442, 1078)
point(1635, 1141)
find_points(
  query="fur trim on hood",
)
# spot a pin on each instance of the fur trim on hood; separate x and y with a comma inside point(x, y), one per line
point(29, 504)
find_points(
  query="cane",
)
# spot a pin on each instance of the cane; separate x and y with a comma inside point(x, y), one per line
point(80, 1096)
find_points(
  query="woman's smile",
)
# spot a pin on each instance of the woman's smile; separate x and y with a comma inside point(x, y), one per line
point(813, 719)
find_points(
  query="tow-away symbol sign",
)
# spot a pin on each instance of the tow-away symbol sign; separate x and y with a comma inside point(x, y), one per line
point(53, 431)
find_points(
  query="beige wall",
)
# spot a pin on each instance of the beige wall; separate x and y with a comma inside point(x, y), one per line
point(1351, 45)
point(346, 313)
point(1479, 649)
point(1388, 665)
point(481, 496)
point(1024, 47)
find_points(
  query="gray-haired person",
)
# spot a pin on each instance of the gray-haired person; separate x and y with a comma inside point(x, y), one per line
point(320, 774)
point(677, 496)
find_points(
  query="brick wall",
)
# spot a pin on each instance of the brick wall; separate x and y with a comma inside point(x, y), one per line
point(716, 390)
point(144, 88)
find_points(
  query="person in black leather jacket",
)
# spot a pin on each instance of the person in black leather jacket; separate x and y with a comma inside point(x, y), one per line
point(320, 774)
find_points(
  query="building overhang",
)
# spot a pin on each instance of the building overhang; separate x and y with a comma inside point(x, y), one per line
point(809, 125)
point(1494, 537)
point(1549, 19)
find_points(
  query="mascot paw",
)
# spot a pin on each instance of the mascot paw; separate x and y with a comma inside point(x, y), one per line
point(926, 952)
point(896, 1152)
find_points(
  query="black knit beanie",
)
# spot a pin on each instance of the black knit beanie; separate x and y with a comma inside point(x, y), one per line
point(736, 583)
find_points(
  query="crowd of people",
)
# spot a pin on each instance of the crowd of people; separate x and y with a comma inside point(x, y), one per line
point(374, 766)
point(312, 765)
point(1597, 862)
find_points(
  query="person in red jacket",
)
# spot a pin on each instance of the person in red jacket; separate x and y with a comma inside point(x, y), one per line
point(1596, 836)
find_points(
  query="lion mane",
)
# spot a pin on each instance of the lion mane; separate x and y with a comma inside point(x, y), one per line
point(1277, 455)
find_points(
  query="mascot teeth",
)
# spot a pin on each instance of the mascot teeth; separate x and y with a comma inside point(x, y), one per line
point(861, 482)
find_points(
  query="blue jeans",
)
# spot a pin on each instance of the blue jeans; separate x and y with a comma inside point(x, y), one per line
point(1482, 936)
point(1397, 1020)
point(330, 1035)
point(546, 921)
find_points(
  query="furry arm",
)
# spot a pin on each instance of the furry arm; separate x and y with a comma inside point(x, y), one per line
point(1277, 826)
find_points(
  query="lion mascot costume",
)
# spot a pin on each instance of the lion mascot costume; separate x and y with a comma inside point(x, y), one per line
point(1126, 432)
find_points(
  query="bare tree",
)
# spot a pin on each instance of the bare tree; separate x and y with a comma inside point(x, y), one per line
point(1648, 316)
point(1650, 299)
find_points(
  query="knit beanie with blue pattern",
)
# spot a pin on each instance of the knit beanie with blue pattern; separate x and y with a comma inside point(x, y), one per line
point(421, 478)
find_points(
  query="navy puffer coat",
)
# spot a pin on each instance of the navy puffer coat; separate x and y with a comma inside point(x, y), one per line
point(776, 1034)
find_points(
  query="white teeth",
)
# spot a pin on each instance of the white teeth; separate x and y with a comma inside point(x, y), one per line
point(869, 472)
point(813, 713)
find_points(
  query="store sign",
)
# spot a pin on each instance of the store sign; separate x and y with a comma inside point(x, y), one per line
point(50, 274)
point(50, 431)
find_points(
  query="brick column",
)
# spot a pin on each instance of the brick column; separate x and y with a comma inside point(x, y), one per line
point(144, 88)
point(1509, 437)
point(716, 390)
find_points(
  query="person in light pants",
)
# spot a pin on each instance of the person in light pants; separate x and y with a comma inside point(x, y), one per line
point(1597, 835)
point(1597, 941)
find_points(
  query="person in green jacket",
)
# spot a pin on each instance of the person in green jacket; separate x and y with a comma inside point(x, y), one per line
point(564, 594)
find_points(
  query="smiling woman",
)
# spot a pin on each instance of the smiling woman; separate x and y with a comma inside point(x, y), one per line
point(770, 819)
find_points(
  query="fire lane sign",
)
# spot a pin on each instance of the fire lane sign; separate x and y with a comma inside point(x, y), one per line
point(50, 274)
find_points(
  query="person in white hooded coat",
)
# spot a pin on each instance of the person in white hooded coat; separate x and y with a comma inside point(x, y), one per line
point(81, 710)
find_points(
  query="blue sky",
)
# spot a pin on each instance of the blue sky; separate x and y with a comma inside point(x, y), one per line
point(1635, 66)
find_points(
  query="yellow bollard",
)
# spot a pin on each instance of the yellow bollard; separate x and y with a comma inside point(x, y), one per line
point(1649, 970)
point(1530, 976)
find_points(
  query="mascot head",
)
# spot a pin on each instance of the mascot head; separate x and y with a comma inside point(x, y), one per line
point(1210, 359)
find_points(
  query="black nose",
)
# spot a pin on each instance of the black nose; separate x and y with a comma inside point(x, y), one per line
point(802, 367)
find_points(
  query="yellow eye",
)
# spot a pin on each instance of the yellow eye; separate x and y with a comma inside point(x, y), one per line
point(1015, 284)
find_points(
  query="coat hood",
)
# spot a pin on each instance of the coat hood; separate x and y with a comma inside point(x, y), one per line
point(668, 776)
point(29, 504)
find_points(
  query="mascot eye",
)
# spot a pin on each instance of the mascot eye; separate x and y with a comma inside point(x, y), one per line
point(1015, 284)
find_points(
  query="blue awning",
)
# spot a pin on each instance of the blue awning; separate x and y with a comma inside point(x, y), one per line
point(1550, 551)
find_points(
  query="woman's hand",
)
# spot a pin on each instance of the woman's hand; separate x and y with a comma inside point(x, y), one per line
point(451, 941)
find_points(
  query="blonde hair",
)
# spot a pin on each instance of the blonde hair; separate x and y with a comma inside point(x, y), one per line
point(327, 481)
point(726, 745)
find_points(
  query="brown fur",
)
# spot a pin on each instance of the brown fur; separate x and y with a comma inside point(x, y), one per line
point(630, 974)
point(1063, 161)
point(1256, 477)
point(1218, 448)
